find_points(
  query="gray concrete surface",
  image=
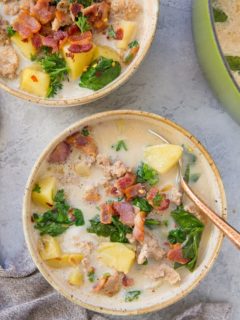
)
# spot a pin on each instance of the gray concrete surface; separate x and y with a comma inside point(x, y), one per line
point(169, 83)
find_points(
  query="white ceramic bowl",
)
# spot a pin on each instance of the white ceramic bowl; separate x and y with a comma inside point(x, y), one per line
point(211, 240)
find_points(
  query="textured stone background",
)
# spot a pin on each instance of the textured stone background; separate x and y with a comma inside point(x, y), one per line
point(169, 83)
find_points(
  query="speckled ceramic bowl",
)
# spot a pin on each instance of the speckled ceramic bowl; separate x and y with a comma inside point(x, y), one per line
point(212, 59)
point(150, 14)
point(212, 237)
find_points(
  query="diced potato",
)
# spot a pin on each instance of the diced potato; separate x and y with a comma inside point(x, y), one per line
point(129, 31)
point(49, 248)
point(79, 62)
point(44, 191)
point(76, 278)
point(82, 169)
point(116, 255)
point(26, 46)
point(163, 157)
point(35, 81)
point(65, 260)
point(106, 52)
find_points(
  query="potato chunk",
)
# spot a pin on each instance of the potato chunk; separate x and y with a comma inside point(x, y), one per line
point(163, 157)
point(44, 191)
point(26, 46)
point(75, 278)
point(116, 255)
point(129, 31)
point(65, 260)
point(79, 62)
point(106, 52)
point(34, 81)
point(49, 248)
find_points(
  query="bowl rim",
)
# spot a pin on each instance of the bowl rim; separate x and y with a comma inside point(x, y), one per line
point(220, 50)
point(130, 70)
point(71, 129)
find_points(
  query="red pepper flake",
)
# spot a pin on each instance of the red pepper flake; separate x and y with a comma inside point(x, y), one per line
point(34, 78)
point(119, 34)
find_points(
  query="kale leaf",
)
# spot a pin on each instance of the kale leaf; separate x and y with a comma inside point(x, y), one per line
point(219, 15)
point(142, 204)
point(234, 62)
point(57, 220)
point(132, 295)
point(151, 223)
point(147, 174)
point(100, 73)
point(117, 231)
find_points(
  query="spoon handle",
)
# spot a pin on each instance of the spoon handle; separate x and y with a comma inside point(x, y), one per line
point(226, 228)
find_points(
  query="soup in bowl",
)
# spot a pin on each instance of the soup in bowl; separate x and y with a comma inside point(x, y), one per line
point(105, 219)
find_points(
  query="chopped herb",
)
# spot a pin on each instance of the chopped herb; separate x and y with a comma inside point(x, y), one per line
point(54, 222)
point(145, 262)
point(10, 31)
point(117, 231)
point(82, 23)
point(194, 177)
point(91, 275)
point(165, 223)
point(234, 62)
point(132, 295)
point(219, 15)
point(100, 73)
point(142, 204)
point(37, 188)
point(56, 67)
point(151, 223)
point(147, 174)
point(111, 33)
point(120, 145)
point(85, 131)
point(187, 173)
point(157, 199)
point(133, 44)
point(189, 231)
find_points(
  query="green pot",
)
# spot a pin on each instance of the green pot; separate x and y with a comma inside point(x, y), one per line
point(212, 59)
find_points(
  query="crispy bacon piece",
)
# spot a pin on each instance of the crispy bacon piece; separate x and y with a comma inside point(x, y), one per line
point(75, 8)
point(137, 190)
point(81, 38)
point(125, 211)
point(163, 203)
point(60, 153)
point(37, 41)
point(100, 284)
point(106, 213)
point(126, 181)
point(42, 11)
point(175, 254)
point(127, 282)
point(138, 230)
point(26, 25)
point(119, 34)
point(50, 42)
point(108, 284)
point(98, 15)
point(77, 48)
point(72, 29)
point(84, 143)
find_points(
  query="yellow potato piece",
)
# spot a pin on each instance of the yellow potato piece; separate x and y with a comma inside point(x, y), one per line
point(116, 255)
point(129, 31)
point(26, 46)
point(79, 62)
point(76, 278)
point(65, 260)
point(35, 81)
point(163, 157)
point(49, 248)
point(106, 52)
point(47, 190)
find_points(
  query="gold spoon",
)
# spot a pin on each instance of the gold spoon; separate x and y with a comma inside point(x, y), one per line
point(225, 227)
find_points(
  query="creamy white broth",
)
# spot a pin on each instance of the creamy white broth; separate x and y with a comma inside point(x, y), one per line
point(137, 137)
point(71, 89)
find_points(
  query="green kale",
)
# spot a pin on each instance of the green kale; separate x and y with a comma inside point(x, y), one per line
point(57, 220)
point(100, 73)
point(190, 159)
point(133, 44)
point(37, 188)
point(10, 31)
point(151, 223)
point(234, 62)
point(85, 131)
point(157, 199)
point(111, 33)
point(85, 3)
point(142, 204)
point(117, 231)
point(219, 15)
point(120, 145)
point(189, 231)
point(132, 295)
point(147, 174)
